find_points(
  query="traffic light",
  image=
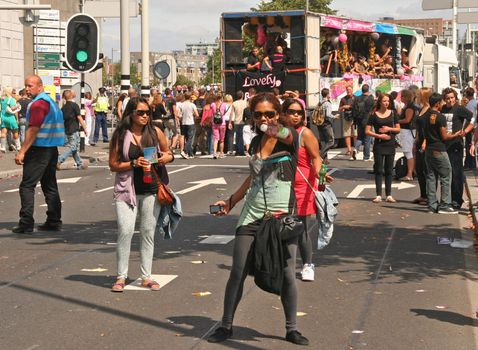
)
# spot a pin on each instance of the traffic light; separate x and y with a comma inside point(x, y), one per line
point(82, 40)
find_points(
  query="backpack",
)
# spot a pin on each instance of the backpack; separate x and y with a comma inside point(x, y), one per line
point(217, 118)
point(401, 168)
point(247, 115)
point(359, 109)
point(269, 260)
point(318, 115)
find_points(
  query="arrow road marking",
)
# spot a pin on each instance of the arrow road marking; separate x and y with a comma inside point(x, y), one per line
point(71, 180)
point(358, 190)
point(203, 183)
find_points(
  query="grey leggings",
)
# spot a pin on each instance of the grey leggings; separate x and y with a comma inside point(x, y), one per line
point(305, 242)
point(241, 263)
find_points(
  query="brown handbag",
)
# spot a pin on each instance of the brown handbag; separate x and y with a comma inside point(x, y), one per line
point(165, 194)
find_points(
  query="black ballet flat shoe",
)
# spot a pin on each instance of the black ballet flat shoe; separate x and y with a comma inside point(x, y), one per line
point(22, 229)
point(296, 338)
point(220, 335)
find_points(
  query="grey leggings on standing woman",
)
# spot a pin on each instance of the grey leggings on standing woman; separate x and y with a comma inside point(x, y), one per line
point(148, 208)
point(241, 264)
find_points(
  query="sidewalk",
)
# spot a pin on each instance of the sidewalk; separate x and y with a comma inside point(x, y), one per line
point(98, 153)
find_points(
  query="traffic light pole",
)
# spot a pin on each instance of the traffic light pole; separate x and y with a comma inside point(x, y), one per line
point(145, 48)
point(124, 33)
point(83, 111)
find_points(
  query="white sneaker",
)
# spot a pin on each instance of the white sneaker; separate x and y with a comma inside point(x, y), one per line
point(184, 155)
point(308, 272)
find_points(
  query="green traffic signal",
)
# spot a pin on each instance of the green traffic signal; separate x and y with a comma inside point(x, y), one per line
point(81, 56)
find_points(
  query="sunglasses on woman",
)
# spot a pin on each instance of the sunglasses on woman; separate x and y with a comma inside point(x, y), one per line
point(267, 114)
point(291, 111)
point(141, 112)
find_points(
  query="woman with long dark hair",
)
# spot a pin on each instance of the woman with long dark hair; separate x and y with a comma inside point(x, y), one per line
point(309, 164)
point(383, 125)
point(136, 186)
point(272, 170)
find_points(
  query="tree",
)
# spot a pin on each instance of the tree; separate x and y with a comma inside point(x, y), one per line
point(321, 6)
point(213, 61)
point(183, 80)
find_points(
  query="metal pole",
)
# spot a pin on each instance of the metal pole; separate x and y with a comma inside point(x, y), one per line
point(82, 100)
point(306, 5)
point(145, 48)
point(453, 27)
point(124, 33)
point(213, 67)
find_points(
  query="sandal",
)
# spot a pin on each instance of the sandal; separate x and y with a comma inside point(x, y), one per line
point(406, 178)
point(151, 284)
point(118, 286)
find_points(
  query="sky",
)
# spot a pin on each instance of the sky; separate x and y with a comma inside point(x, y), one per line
point(189, 21)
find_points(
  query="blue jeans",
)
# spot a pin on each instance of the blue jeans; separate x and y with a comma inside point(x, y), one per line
point(100, 122)
point(239, 139)
point(72, 144)
point(438, 167)
point(210, 141)
point(363, 139)
point(22, 125)
point(188, 132)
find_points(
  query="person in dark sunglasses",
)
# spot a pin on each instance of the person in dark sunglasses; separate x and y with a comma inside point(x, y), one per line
point(134, 192)
point(273, 164)
point(309, 163)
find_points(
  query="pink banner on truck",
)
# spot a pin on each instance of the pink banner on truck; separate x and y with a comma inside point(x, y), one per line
point(359, 26)
point(331, 22)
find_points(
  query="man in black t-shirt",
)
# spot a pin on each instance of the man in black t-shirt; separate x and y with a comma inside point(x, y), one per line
point(361, 109)
point(24, 101)
point(72, 120)
point(253, 61)
point(200, 137)
point(171, 119)
point(457, 118)
point(436, 156)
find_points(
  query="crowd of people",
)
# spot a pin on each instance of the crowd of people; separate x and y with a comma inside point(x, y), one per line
point(430, 129)
point(285, 157)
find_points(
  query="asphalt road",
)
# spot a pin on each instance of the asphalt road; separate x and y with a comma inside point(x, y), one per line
point(382, 283)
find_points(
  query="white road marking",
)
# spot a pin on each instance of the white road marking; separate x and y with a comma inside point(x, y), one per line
point(218, 239)
point(45, 205)
point(358, 190)
point(177, 171)
point(161, 279)
point(104, 189)
point(203, 183)
point(71, 180)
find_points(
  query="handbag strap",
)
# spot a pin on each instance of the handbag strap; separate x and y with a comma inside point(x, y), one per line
point(308, 183)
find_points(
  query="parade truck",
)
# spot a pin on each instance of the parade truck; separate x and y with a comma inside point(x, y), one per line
point(321, 51)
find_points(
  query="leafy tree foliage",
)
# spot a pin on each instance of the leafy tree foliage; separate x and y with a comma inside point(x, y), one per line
point(321, 6)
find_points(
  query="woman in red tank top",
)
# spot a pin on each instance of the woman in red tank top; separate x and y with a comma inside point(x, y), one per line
point(308, 167)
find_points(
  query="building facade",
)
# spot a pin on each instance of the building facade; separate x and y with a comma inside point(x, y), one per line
point(11, 44)
point(431, 26)
point(201, 49)
point(193, 67)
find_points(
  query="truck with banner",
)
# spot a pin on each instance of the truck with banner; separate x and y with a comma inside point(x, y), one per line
point(317, 51)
